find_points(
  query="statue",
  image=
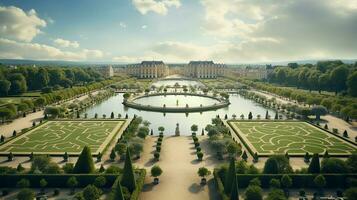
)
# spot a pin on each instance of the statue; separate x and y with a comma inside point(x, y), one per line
point(177, 131)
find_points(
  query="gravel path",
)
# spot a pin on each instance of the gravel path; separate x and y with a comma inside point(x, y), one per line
point(179, 179)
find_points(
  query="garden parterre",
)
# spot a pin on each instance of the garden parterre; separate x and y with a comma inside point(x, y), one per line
point(295, 137)
point(57, 137)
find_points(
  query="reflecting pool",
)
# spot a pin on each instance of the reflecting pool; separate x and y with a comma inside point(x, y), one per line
point(238, 106)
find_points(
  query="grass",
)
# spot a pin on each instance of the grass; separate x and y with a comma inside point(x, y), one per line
point(57, 137)
point(296, 138)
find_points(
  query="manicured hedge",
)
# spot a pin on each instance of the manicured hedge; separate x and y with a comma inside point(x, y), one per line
point(298, 180)
point(54, 180)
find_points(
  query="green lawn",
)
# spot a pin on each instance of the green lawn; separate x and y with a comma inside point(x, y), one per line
point(296, 138)
point(57, 137)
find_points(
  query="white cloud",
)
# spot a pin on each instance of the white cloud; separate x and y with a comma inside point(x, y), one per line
point(144, 26)
point(17, 24)
point(282, 30)
point(157, 6)
point(14, 49)
point(66, 43)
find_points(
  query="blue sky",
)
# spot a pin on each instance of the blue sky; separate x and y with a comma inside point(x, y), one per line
point(178, 30)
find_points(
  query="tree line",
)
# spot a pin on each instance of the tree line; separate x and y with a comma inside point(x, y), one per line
point(18, 80)
point(333, 76)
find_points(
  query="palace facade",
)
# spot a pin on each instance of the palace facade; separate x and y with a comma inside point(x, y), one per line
point(148, 69)
point(204, 69)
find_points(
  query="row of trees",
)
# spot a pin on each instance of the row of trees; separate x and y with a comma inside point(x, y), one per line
point(327, 75)
point(84, 165)
point(18, 80)
point(280, 165)
point(344, 106)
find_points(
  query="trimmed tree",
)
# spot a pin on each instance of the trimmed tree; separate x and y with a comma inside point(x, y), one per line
point(234, 190)
point(202, 172)
point(156, 171)
point(286, 182)
point(253, 192)
point(245, 156)
point(128, 178)
point(84, 164)
point(271, 166)
point(314, 166)
point(320, 182)
point(112, 155)
point(65, 157)
point(230, 174)
point(43, 184)
point(91, 192)
point(72, 183)
point(307, 157)
point(26, 194)
point(118, 192)
point(319, 111)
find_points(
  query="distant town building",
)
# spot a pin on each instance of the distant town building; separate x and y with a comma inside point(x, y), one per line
point(106, 71)
point(148, 69)
point(204, 69)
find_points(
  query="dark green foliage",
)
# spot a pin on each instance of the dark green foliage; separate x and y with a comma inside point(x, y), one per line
point(99, 157)
point(250, 115)
point(234, 191)
point(255, 157)
point(286, 181)
point(26, 194)
point(320, 181)
point(68, 168)
point(84, 164)
point(23, 183)
point(352, 163)
point(326, 155)
point(91, 193)
point(112, 155)
point(101, 169)
point(351, 193)
point(271, 166)
point(314, 166)
point(333, 165)
point(275, 183)
point(65, 157)
point(199, 155)
point(10, 157)
point(100, 182)
point(245, 156)
point(253, 192)
point(230, 174)
point(118, 193)
point(20, 168)
point(307, 157)
point(128, 178)
point(345, 134)
point(276, 194)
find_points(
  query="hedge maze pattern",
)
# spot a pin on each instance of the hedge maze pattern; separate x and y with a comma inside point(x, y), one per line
point(296, 138)
point(56, 137)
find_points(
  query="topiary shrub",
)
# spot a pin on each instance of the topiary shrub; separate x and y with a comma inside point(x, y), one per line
point(199, 156)
point(157, 156)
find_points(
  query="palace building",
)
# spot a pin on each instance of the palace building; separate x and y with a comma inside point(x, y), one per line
point(148, 69)
point(205, 69)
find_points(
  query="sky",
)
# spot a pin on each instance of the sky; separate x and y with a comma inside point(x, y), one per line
point(225, 31)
